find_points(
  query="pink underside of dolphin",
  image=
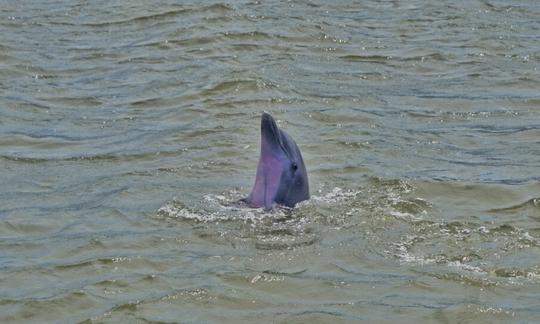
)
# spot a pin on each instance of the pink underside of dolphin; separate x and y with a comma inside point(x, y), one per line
point(281, 175)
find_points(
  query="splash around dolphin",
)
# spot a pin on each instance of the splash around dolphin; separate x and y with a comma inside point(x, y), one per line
point(281, 174)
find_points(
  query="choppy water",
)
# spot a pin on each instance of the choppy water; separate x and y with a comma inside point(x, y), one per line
point(127, 128)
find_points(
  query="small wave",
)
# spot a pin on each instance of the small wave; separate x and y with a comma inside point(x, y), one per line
point(366, 58)
point(404, 254)
point(405, 216)
point(215, 8)
point(533, 203)
point(528, 274)
point(238, 86)
point(384, 59)
point(466, 267)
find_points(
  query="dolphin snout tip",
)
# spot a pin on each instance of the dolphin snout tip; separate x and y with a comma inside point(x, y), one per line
point(267, 121)
point(266, 115)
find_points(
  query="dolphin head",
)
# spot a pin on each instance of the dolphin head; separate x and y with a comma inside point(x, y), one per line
point(281, 174)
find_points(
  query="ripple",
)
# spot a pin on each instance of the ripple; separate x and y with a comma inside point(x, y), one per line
point(533, 204)
point(218, 8)
point(49, 308)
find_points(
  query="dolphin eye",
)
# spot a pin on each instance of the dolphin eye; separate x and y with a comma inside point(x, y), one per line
point(294, 166)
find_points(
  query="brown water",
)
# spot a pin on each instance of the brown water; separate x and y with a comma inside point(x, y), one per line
point(129, 127)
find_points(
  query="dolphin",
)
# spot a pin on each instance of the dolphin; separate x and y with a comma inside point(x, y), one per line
point(281, 174)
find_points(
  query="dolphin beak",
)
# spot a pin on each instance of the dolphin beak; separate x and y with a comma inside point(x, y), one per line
point(270, 134)
point(270, 165)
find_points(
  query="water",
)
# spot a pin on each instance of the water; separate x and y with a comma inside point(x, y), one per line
point(130, 128)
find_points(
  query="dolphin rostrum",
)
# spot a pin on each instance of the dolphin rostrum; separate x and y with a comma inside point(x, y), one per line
point(281, 174)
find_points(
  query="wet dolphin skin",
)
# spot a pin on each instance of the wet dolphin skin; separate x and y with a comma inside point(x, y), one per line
point(281, 173)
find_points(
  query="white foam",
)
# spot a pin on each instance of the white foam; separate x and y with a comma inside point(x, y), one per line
point(404, 216)
point(216, 208)
point(336, 195)
point(467, 267)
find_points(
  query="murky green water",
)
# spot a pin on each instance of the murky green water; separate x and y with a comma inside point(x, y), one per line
point(127, 128)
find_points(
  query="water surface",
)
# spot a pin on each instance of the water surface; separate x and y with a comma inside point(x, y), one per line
point(129, 128)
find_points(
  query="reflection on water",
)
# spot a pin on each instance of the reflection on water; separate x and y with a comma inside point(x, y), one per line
point(130, 130)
